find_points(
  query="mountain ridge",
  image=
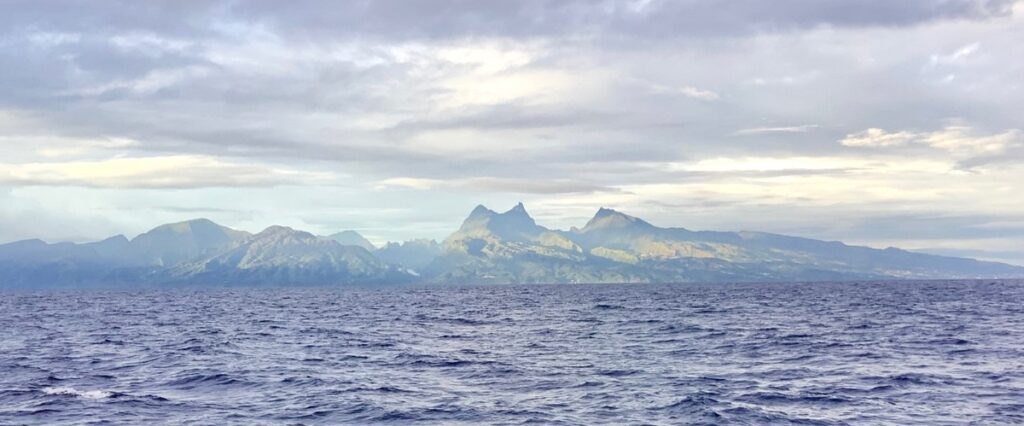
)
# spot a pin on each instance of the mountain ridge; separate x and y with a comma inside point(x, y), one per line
point(488, 247)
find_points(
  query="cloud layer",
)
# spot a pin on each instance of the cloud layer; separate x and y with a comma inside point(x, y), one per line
point(818, 118)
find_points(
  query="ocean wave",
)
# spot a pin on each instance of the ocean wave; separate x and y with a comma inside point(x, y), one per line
point(70, 391)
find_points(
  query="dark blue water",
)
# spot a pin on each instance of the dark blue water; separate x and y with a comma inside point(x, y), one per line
point(908, 353)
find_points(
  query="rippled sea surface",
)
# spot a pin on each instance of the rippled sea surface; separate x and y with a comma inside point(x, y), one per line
point(826, 353)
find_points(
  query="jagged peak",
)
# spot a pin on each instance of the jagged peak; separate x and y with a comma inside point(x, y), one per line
point(279, 234)
point(514, 223)
point(519, 208)
point(610, 218)
point(516, 213)
point(481, 211)
point(604, 211)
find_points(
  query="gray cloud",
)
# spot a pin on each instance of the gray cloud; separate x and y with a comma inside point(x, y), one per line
point(571, 102)
point(507, 116)
point(502, 185)
point(937, 226)
point(458, 18)
point(777, 129)
point(164, 172)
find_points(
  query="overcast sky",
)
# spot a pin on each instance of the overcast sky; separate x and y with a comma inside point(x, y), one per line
point(877, 122)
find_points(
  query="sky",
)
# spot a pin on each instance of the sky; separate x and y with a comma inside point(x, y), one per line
point(874, 122)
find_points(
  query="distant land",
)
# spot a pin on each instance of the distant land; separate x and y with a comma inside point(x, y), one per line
point(489, 247)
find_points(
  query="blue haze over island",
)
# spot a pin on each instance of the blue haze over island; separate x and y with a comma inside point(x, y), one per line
point(489, 247)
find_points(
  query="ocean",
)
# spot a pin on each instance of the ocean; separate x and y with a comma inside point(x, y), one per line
point(930, 353)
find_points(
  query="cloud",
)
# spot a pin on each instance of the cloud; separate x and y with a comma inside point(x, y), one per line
point(501, 185)
point(956, 56)
point(961, 140)
point(57, 146)
point(773, 164)
point(563, 104)
point(783, 129)
point(878, 138)
point(687, 91)
point(958, 140)
point(410, 183)
point(536, 186)
point(505, 116)
point(168, 172)
point(148, 84)
point(434, 19)
point(166, 24)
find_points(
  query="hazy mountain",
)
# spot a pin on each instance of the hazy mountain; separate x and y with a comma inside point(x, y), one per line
point(170, 244)
point(352, 238)
point(489, 247)
point(116, 248)
point(115, 260)
point(414, 254)
point(284, 256)
point(30, 262)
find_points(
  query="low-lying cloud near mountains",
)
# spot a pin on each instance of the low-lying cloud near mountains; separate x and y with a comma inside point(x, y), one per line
point(816, 118)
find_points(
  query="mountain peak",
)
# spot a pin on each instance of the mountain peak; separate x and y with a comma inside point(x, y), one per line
point(183, 226)
point(481, 211)
point(517, 214)
point(513, 224)
point(352, 238)
point(277, 234)
point(519, 208)
point(277, 230)
point(605, 212)
point(201, 221)
point(608, 218)
point(172, 243)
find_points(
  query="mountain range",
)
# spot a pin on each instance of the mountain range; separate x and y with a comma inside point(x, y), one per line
point(489, 247)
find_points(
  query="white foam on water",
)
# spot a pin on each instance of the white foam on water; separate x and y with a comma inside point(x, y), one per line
point(67, 390)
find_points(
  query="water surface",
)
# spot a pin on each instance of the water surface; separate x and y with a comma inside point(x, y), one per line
point(825, 353)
